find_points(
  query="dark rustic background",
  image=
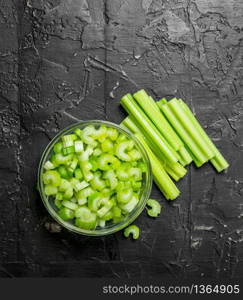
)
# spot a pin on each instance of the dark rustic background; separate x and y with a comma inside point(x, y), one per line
point(66, 60)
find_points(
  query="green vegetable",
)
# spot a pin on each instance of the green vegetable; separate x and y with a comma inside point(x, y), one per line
point(150, 108)
point(185, 136)
point(133, 230)
point(192, 130)
point(151, 131)
point(175, 170)
point(218, 160)
point(94, 176)
point(161, 178)
point(155, 208)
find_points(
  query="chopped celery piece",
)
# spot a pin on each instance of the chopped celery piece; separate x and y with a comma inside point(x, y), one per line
point(85, 218)
point(63, 172)
point(135, 155)
point(107, 161)
point(108, 216)
point(107, 146)
point(128, 207)
point(50, 190)
point(94, 202)
point(78, 174)
point(155, 208)
point(135, 173)
point(52, 177)
point(101, 223)
point(68, 150)
point(97, 183)
point(79, 185)
point(60, 159)
point(112, 133)
point(111, 177)
point(49, 165)
point(78, 146)
point(66, 213)
point(73, 165)
point(87, 135)
point(58, 148)
point(125, 195)
point(69, 204)
point(104, 209)
point(97, 152)
point(67, 141)
point(68, 193)
point(65, 184)
point(133, 230)
point(122, 149)
point(86, 166)
point(116, 211)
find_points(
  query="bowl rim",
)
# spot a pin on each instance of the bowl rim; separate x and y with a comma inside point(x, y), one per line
point(115, 227)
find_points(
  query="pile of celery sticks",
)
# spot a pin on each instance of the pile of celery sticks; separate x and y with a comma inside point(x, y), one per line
point(172, 137)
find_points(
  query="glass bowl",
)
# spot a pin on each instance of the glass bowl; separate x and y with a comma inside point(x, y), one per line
point(109, 228)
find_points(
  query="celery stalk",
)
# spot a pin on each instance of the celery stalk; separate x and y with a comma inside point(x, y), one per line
point(151, 110)
point(185, 158)
point(161, 178)
point(190, 128)
point(218, 160)
point(134, 110)
point(175, 170)
point(196, 151)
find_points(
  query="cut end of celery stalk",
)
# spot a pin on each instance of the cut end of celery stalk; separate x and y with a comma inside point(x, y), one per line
point(185, 158)
point(219, 163)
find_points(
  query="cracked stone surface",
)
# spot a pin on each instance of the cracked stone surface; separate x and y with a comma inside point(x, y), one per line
point(67, 60)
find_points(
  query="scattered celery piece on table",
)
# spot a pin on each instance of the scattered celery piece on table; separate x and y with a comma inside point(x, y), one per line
point(133, 230)
point(155, 208)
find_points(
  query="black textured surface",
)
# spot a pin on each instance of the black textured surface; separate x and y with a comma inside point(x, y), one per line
point(65, 60)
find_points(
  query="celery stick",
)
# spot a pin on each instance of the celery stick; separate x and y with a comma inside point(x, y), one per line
point(151, 110)
point(175, 170)
point(161, 178)
point(190, 128)
point(133, 109)
point(197, 163)
point(218, 160)
point(196, 151)
point(185, 157)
